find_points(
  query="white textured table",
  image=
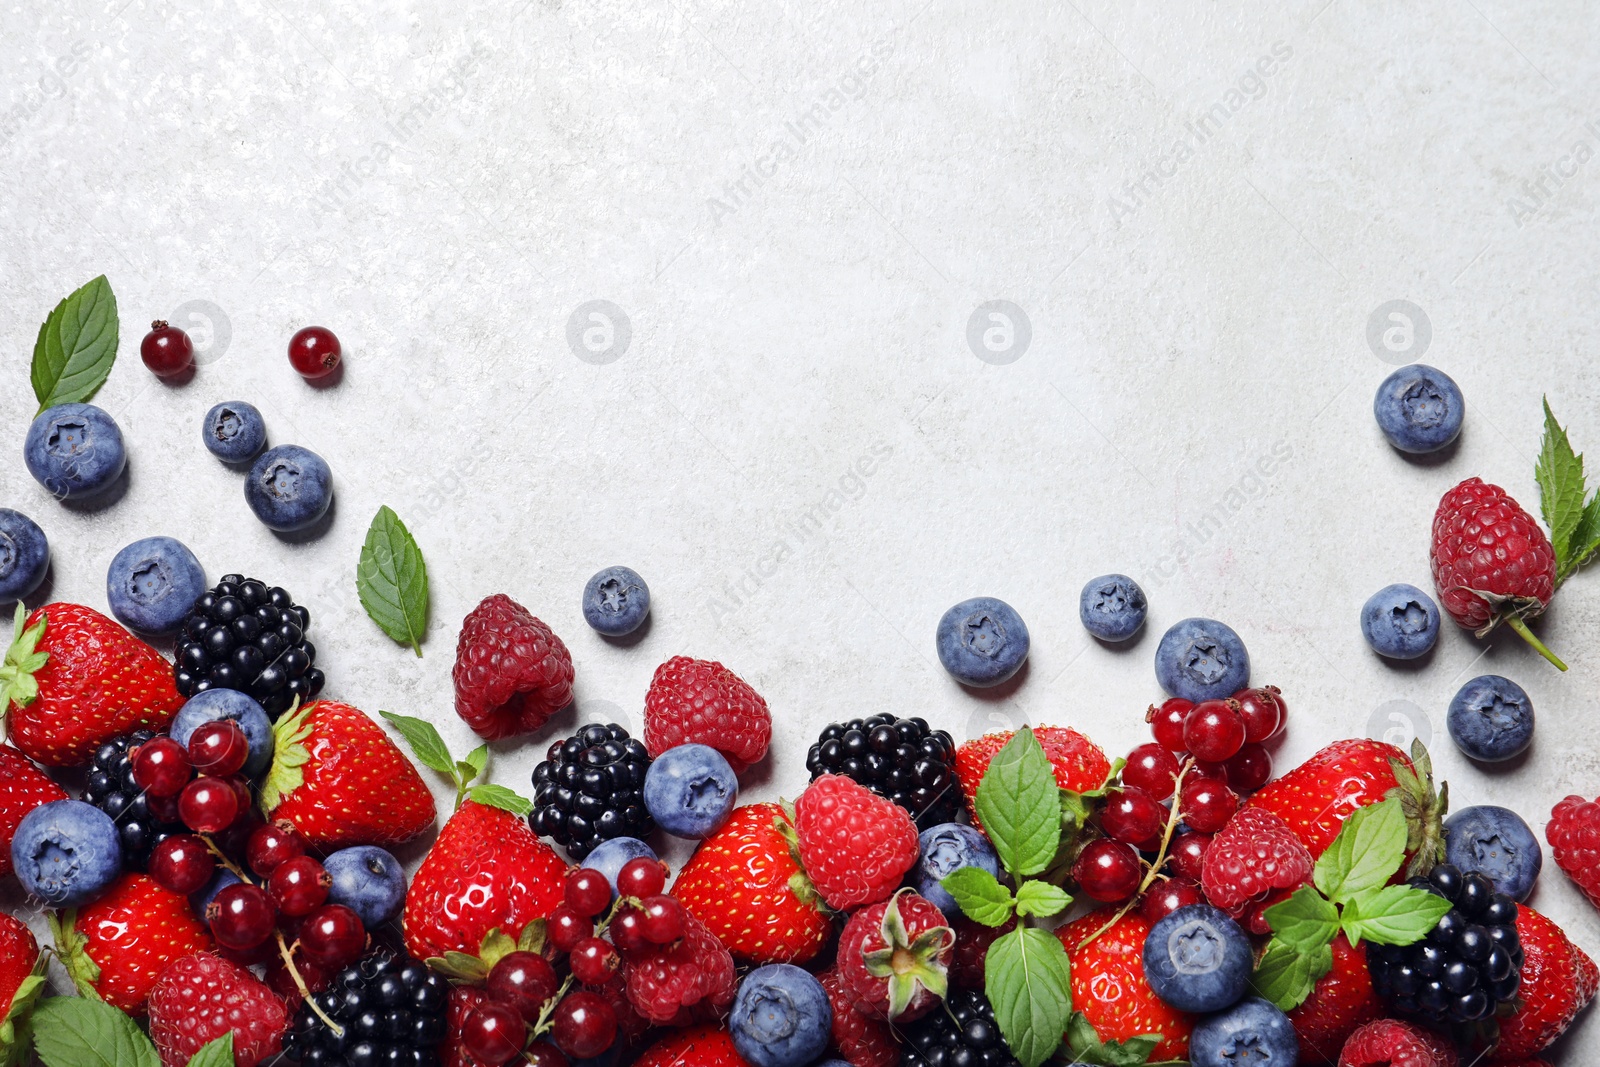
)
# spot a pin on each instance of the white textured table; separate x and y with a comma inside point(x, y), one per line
point(799, 214)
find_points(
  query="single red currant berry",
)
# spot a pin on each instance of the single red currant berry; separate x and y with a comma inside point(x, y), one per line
point(1151, 768)
point(663, 919)
point(161, 767)
point(627, 932)
point(1213, 730)
point(299, 886)
point(1249, 769)
point(166, 350)
point(587, 891)
point(641, 877)
point(241, 917)
point(164, 808)
point(1133, 817)
point(524, 980)
point(566, 928)
point(314, 352)
point(1262, 712)
point(218, 748)
point(493, 1033)
point(273, 844)
point(585, 1025)
point(182, 864)
point(544, 1054)
point(1108, 871)
point(1164, 898)
point(1166, 723)
point(1207, 804)
point(594, 961)
point(332, 936)
point(1187, 854)
point(208, 805)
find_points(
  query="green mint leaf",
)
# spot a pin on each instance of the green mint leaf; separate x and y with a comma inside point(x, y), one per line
point(217, 1053)
point(1028, 981)
point(1585, 540)
point(498, 796)
point(1016, 805)
point(1286, 976)
point(1369, 849)
point(1305, 921)
point(1084, 1046)
point(477, 760)
point(1041, 899)
point(982, 898)
point(392, 580)
point(76, 346)
point(425, 742)
point(16, 1027)
point(1560, 476)
point(77, 1032)
point(1392, 915)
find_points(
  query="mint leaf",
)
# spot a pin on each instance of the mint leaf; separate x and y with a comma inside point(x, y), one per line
point(16, 1027)
point(392, 580)
point(1028, 981)
point(1392, 915)
point(1369, 849)
point(476, 761)
point(1306, 921)
point(1018, 806)
point(77, 1032)
point(425, 742)
point(1085, 1046)
point(76, 346)
point(1559, 473)
point(217, 1053)
point(982, 898)
point(1041, 899)
point(1286, 976)
point(498, 796)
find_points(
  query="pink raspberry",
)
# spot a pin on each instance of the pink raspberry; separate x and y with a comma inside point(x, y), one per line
point(1574, 836)
point(1255, 854)
point(512, 672)
point(855, 845)
point(701, 701)
point(689, 980)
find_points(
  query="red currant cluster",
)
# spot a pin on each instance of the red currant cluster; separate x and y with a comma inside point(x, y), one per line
point(209, 803)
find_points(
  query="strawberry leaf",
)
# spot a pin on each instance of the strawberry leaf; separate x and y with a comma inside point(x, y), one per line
point(1016, 803)
point(79, 1032)
point(1306, 921)
point(1286, 975)
point(532, 937)
point(392, 580)
point(1392, 915)
point(1041, 899)
point(1559, 473)
point(76, 346)
point(1029, 982)
point(216, 1053)
point(289, 755)
point(1369, 849)
point(981, 897)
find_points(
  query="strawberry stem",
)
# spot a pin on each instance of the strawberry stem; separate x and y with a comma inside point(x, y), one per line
point(1516, 623)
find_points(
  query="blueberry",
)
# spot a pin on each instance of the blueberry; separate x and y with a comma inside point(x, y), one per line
point(66, 852)
point(689, 791)
point(234, 432)
point(781, 1017)
point(946, 848)
point(1400, 621)
point(1491, 719)
point(1202, 659)
point(1112, 607)
point(1253, 1031)
point(213, 704)
point(201, 897)
point(367, 880)
point(24, 555)
point(289, 488)
point(1419, 409)
point(982, 641)
point(152, 584)
point(1198, 960)
point(74, 450)
point(616, 601)
point(1497, 844)
point(609, 857)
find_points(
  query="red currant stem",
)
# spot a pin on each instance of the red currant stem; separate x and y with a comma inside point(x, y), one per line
point(1516, 623)
point(1154, 874)
point(222, 857)
point(544, 1022)
point(300, 983)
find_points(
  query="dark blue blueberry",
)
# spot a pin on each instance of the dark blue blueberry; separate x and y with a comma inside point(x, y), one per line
point(1400, 621)
point(616, 601)
point(1202, 659)
point(152, 584)
point(369, 881)
point(234, 432)
point(982, 641)
point(74, 450)
point(211, 704)
point(1112, 607)
point(1419, 409)
point(690, 790)
point(289, 488)
point(66, 852)
point(24, 555)
point(781, 1017)
point(945, 848)
point(1491, 719)
point(1198, 959)
point(1497, 844)
point(1252, 1032)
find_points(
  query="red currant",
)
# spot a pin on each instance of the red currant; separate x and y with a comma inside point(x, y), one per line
point(544, 1054)
point(1263, 712)
point(314, 352)
point(585, 1025)
point(587, 891)
point(663, 919)
point(1108, 871)
point(241, 916)
point(273, 844)
point(299, 886)
point(594, 961)
point(1151, 768)
point(1132, 816)
point(641, 877)
point(218, 748)
point(1166, 723)
point(493, 1033)
point(164, 808)
point(167, 350)
point(161, 767)
point(566, 928)
point(1208, 804)
point(1249, 769)
point(1187, 854)
point(333, 936)
point(1213, 730)
point(627, 932)
point(182, 864)
point(208, 805)
point(1164, 898)
point(524, 980)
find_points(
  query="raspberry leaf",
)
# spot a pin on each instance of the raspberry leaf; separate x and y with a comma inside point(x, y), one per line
point(1585, 540)
point(1041, 899)
point(1559, 473)
point(1013, 805)
point(216, 1053)
point(1028, 981)
point(982, 898)
point(1306, 921)
point(1085, 1046)
point(1392, 915)
point(79, 1032)
point(76, 346)
point(1286, 975)
point(1369, 849)
point(392, 580)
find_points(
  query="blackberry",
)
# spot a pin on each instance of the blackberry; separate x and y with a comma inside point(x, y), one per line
point(392, 1009)
point(961, 1034)
point(242, 634)
point(589, 789)
point(110, 787)
point(903, 760)
point(1466, 966)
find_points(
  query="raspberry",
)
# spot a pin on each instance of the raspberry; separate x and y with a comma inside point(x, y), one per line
point(700, 700)
point(1253, 855)
point(855, 845)
point(201, 997)
point(512, 672)
point(894, 957)
point(690, 980)
point(1390, 1043)
point(1574, 836)
point(861, 1040)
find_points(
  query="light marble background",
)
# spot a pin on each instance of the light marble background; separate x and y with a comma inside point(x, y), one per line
point(445, 185)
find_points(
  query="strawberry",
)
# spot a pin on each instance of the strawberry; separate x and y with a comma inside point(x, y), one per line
point(860, 1039)
point(855, 845)
point(74, 679)
point(511, 673)
point(118, 945)
point(1109, 986)
point(745, 884)
point(1392, 1043)
point(23, 787)
point(1079, 763)
point(894, 958)
point(1558, 981)
point(18, 954)
point(1250, 857)
point(1573, 833)
point(199, 998)
point(700, 700)
point(1317, 797)
point(486, 871)
point(689, 980)
point(340, 781)
point(707, 1045)
point(1341, 1001)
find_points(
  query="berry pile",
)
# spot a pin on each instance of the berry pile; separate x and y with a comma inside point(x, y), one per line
point(244, 635)
point(143, 818)
point(590, 788)
point(903, 760)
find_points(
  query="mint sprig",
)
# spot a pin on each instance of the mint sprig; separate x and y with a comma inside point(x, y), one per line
point(392, 580)
point(76, 346)
point(1024, 830)
point(431, 752)
point(1085, 1046)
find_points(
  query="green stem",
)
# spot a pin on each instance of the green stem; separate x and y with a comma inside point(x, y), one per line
point(1517, 623)
point(1154, 871)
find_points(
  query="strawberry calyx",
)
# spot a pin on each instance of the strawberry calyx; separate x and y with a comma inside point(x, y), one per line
point(463, 968)
point(72, 948)
point(910, 964)
point(1424, 806)
point(289, 755)
point(800, 883)
point(16, 1038)
point(23, 659)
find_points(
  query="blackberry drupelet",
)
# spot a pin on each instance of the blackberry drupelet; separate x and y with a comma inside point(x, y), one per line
point(1470, 963)
point(589, 789)
point(243, 635)
point(392, 1009)
point(903, 760)
point(111, 788)
point(961, 1034)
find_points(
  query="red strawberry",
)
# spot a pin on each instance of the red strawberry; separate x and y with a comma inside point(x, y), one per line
point(1109, 987)
point(486, 871)
point(18, 954)
point(894, 957)
point(687, 981)
point(746, 886)
point(855, 845)
point(1253, 855)
point(1558, 981)
point(119, 945)
point(700, 700)
point(23, 787)
point(707, 1045)
point(199, 998)
point(512, 672)
point(340, 781)
point(74, 679)
point(972, 950)
point(1341, 1001)
point(1392, 1043)
point(861, 1040)
point(1080, 764)
point(1319, 795)
point(1573, 833)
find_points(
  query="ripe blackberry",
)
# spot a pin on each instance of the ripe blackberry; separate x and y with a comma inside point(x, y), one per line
point(110, 787)
point(964, 1034)
point(903, 760)
point(392, 1009)
point(243, 635)
point(1467, 965)
point(589, 789)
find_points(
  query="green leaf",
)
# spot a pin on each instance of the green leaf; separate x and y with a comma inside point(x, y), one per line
point(76, 346)
point(1392, 915)
point(392, 580)
point(289, 755)
point(1028, 981)
point(982, 898)
point(1041, 899)
point(17, 683)
point(532, 937)
point(1561, 492)
point(475, 761)
point(1585, 540)
point(1017, 805)
point(16, 1026)
point(1305, 921)
point(425, 742)
point(1085, 1046)
point(498, 796)
point(1286, 976)
point(76, 1032)
point(217, 1053)
point(1369, 849)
